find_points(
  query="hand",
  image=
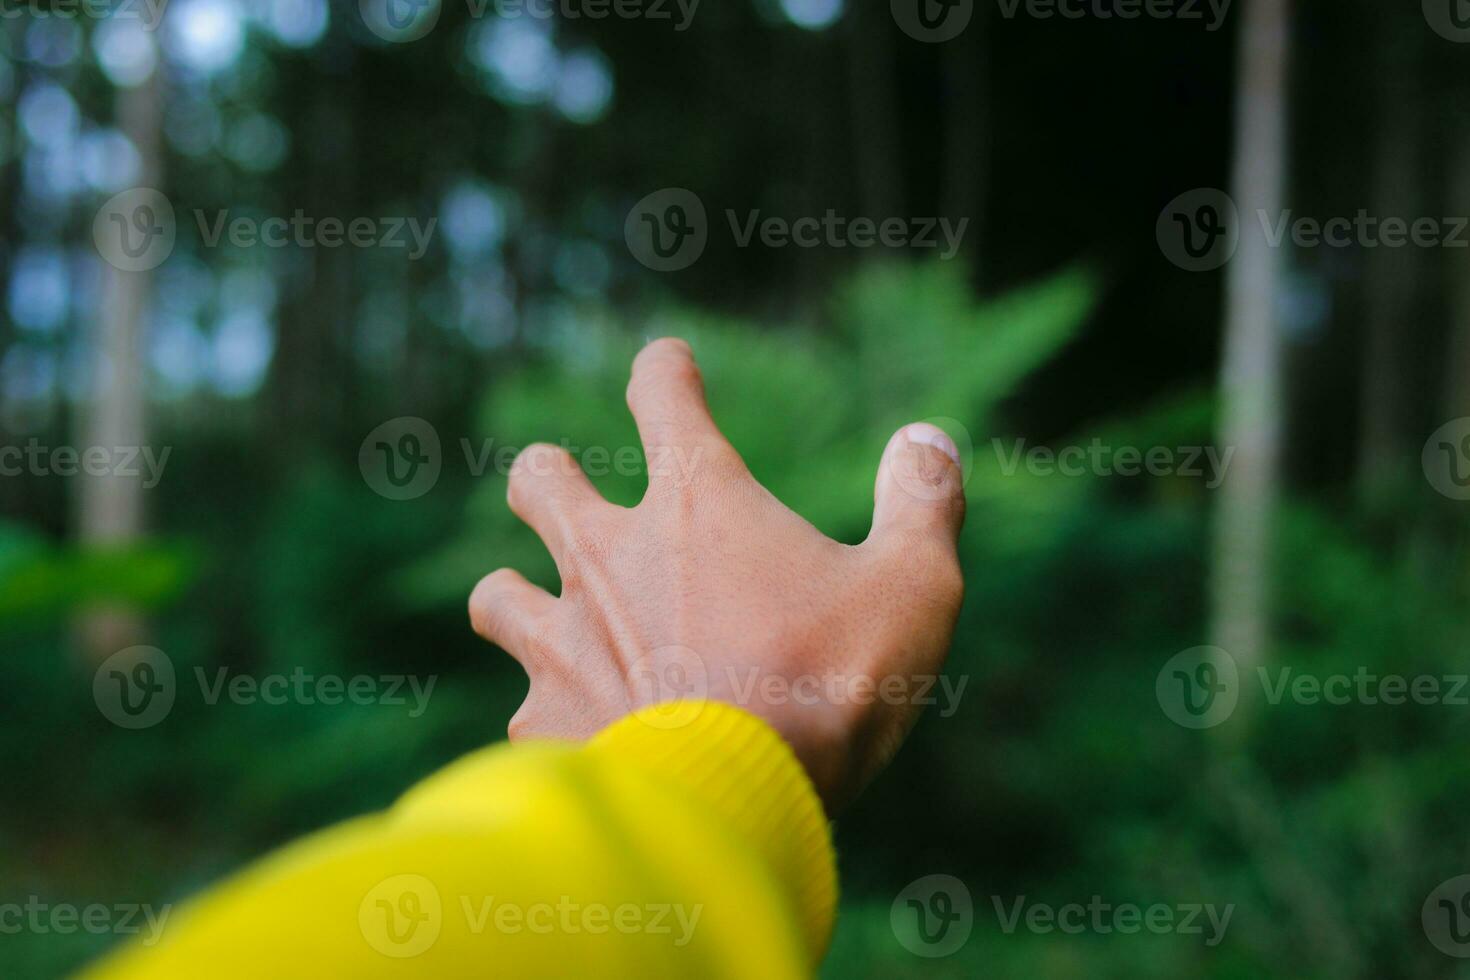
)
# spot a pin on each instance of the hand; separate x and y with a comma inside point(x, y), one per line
point(711, 587)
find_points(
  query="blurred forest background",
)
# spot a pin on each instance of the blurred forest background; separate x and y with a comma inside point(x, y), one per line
point(1062, 320)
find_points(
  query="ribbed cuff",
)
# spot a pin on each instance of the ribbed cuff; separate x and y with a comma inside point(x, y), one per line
point(740, 768)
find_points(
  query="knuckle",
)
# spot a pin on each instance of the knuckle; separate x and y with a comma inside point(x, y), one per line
point(585, 556)
point(541, 643)
point(586, 547)
point(931, 558)
point(520, 726)
point(949, 580)
point(695, 462)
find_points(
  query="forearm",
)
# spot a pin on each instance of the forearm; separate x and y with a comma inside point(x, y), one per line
point(698, 849)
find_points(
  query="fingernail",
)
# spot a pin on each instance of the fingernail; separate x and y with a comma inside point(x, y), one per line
point(932, 435)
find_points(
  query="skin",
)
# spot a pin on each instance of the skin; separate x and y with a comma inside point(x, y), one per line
point(712, 588)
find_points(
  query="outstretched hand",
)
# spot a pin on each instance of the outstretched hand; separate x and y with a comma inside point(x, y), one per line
point(712, 588)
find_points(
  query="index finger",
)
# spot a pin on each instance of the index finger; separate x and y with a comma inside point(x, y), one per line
point(666, 396)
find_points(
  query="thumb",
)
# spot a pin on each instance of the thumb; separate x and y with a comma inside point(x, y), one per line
point(920, 487)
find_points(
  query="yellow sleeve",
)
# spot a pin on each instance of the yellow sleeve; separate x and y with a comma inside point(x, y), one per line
point(676, 843)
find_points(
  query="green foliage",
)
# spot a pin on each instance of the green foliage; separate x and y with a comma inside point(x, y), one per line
point(1056, 777)
point(40, 581)
point(810, 411)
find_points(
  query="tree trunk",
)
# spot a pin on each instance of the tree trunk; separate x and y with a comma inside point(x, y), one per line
point(1384, 453)
point(966, 166)
point(874, 112)
point(110, 507)
point(1250, 381)
point(1457, 365)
